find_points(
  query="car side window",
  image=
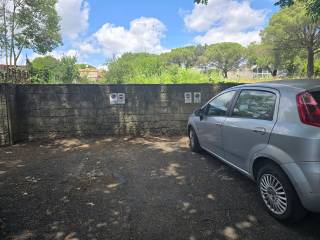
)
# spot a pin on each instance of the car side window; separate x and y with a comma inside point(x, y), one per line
point(220, 105)
point(255, 104)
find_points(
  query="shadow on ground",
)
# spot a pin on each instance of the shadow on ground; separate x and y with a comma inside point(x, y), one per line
point(130, 188)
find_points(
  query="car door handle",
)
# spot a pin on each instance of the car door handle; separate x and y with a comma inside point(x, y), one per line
point(260, 130)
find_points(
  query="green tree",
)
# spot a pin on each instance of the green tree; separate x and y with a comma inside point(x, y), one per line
point(225, 56)
point(69, 70)
point(28, 24)
point(44, 70)
point(51, 70)
point(266, 57)
point(184, 57)
point(201, 1)
point(4, 43)
point(300, 65)
point(120, 71)
point(312, 6)
point(130, 65)
point(149, 69)
point(263, 56)
point(291, 29)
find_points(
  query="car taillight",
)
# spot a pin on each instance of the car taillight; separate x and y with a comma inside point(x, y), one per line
point(308, 108)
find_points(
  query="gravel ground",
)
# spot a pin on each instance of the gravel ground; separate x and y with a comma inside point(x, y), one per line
point(123, 188)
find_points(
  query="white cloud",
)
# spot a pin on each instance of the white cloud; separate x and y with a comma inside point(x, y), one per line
point(143, 35)
point(74, 17)
point(72, 53)
point(225, 20)
point(217, 35)
point(56, 54)
point(60, 54)
point(87, 48)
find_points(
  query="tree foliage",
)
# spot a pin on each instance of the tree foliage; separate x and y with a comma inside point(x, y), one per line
point(184, 57)
point(291, 41)
point(265, 56)
point(44, 70)
point(149, 68)
point(284, 3)
point(312, 6)
point(201, 1)
point(69, 69)
point(28, 24)
point(50, 70)
point(262, 56)
point(225, 56)
point(129, 65)
point(292, 30)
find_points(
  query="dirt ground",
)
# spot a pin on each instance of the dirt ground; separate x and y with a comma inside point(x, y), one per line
point(152, 188)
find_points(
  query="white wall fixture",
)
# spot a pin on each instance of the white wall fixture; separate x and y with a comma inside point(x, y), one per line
point(113, 98)
point(117, 98)
point(197, 97)
point(121, 98)
point(187, 97)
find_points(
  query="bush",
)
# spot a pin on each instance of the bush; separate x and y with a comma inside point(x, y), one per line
point(145, 68)
point(50, 70)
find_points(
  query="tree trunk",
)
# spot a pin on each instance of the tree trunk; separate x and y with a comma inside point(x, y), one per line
point(274, 72)
point(310, 67)
point(16, 57)
point(12, 47)
point(5, 31)
point(225, 73)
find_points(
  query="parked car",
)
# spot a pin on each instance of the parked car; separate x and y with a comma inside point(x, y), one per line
point(271, 133)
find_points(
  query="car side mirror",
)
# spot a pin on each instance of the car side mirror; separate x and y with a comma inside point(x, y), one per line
point(199, 113)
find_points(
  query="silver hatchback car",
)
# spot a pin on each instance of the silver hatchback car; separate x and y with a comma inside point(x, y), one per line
point(271, 133)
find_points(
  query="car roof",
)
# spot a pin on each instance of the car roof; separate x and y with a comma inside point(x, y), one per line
point(285, 84)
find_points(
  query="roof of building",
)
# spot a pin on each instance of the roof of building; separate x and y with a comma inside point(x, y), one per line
point(89, 70)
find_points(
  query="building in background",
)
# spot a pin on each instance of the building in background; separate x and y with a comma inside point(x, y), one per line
point(91, 73)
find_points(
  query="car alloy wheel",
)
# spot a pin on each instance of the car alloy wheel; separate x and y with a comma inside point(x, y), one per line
point(273, 194)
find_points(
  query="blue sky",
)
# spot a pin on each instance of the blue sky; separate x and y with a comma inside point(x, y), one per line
point(96, 30)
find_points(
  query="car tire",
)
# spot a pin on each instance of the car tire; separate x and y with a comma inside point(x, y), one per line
point(278, 195)
point(194, 141)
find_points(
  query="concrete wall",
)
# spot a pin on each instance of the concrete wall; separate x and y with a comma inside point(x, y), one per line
point(4, 120)
point(50, 111)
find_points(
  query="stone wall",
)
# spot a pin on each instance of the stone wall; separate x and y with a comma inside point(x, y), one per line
point(4, 120)
point(51, 111)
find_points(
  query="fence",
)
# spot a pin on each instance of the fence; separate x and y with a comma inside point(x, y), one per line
point(11, 74)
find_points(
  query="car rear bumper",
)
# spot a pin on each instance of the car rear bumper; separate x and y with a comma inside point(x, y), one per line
point(305, 178)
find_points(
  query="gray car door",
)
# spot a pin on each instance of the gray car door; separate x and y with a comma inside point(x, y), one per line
point(210, 126)
point(247, 130)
